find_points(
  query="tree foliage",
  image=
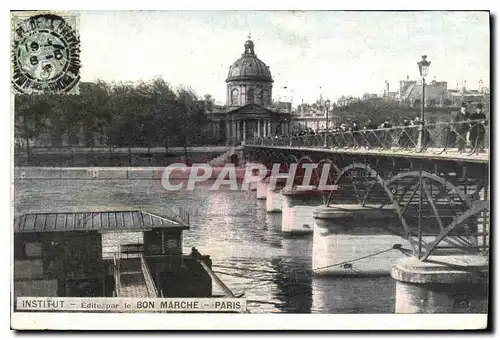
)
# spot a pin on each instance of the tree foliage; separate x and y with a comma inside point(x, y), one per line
point(148, 114)
point(379, 110)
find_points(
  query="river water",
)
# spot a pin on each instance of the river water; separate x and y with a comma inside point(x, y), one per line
point(248, 250)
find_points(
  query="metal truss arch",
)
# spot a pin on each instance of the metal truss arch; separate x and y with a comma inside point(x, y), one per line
point(435, 178)
point(291, 158)
point(300, 170)
point(333, 171)
point(477, 208)
point(359, 166)
point(427, 203)
point(305, 158)
point(380, 181)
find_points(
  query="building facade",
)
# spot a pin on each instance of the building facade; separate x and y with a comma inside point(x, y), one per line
point(249, 111)
point(437, 94)
point(310, 116)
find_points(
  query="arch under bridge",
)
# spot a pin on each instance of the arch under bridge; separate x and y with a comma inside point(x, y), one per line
point(439, 194)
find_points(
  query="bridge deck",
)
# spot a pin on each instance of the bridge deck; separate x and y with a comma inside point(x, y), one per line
point(431, 153)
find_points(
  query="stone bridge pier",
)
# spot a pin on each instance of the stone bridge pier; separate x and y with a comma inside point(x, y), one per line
point(262, 189)
point(298, 204)
point(442, 284)
point(274, 198)
point(350, 239)
point(421, 216)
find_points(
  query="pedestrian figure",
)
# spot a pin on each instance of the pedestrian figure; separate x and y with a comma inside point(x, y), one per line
point(355, 134)
point(449, 134)
point(477, 129)
point(462, 127)
point(415, 123)
point(370, 125)
point(195, 254)
point(385, 135)
point(404, 139)
point(370, 135)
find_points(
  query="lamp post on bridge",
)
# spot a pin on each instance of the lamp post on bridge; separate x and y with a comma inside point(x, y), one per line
point(423, 68)
point(327, 103)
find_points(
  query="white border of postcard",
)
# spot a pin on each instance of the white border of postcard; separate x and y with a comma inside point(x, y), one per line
point(213, 321)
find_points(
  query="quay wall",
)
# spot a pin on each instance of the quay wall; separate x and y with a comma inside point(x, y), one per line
point(117, 157)
point(114, 173)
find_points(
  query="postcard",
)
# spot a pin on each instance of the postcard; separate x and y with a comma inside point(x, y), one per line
point(290, 169)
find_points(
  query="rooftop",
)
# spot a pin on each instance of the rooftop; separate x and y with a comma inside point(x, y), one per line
point(249, 67)
point(100, 221)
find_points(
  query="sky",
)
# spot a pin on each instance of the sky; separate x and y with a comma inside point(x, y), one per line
point(332, 53)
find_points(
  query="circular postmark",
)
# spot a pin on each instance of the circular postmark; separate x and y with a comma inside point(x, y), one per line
point(45, 55)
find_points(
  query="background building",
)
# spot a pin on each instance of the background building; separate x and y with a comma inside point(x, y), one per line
point(437, 94)
point(313, 116)
point(249, 111)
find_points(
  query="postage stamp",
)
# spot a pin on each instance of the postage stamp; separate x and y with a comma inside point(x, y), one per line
point(45, 52)
point(270, 165)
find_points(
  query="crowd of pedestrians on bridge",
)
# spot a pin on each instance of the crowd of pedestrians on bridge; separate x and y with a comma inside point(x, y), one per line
point(466, 129)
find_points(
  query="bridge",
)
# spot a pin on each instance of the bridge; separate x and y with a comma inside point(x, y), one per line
point(408, 187)
point(403, 201)
point(439, 141)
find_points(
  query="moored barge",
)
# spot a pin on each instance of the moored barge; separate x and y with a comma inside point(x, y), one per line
point(61, 255)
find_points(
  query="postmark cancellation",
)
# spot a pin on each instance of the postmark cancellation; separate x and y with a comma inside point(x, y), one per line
point(45, 53)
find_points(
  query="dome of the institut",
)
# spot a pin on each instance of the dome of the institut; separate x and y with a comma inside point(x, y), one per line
point(249, 67)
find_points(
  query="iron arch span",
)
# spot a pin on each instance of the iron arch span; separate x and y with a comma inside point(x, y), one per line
point(435, 201)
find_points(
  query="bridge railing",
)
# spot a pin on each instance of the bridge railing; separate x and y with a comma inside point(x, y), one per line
point(440, 135)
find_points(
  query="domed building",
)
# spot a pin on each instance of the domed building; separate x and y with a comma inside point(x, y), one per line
point(249, 80)
point(249, 111)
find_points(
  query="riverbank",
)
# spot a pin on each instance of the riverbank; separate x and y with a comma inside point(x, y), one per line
point(246, 244)
point(113, 173)
point(103, 157)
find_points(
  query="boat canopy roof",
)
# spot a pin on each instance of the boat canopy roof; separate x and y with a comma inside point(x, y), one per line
point(99, 221)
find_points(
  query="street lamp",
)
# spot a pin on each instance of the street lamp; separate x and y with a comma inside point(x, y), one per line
point(423, 68)
point(327, 103)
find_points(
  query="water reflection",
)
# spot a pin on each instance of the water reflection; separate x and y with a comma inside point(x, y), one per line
point(245, 243)
point(353, 294)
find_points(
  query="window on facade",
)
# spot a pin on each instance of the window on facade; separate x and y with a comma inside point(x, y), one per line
point(234, 97)
point(73, 139)
point(266, 97)
point(431, 102)
point(33, 249)
point(19, 248)
point(447, 102)
point(172, 244)
point(260, 97)
point(250, 96)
